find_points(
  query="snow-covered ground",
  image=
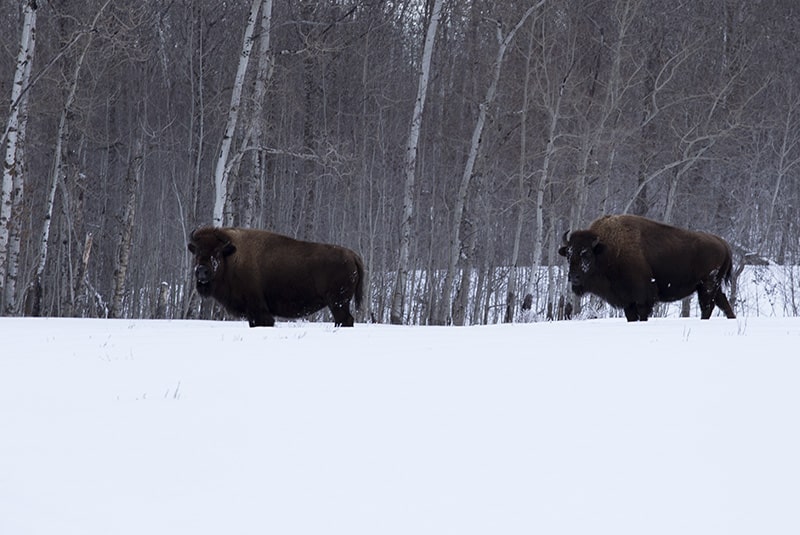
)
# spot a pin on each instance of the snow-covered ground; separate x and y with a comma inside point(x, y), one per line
point(584, 427)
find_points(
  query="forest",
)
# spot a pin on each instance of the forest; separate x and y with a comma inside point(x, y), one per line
point(451, 143)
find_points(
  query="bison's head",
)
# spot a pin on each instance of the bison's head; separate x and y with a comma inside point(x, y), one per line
point(210, 248)
point(582, 250)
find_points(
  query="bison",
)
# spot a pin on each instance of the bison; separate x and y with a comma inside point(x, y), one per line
point(260, 275)
point(631, 262)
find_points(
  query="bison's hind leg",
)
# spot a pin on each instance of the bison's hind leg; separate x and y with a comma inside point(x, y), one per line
point(710, 294)
point(722, 302)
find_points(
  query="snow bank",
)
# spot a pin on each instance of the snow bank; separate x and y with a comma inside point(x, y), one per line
point(670, 426)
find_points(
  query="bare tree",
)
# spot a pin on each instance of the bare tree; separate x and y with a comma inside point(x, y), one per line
point(411, 167)
point(553, 92)
point(786, 148)
point(522, 180)
point(222, 168)
point(133, 178)
point(255, 136)
point(57, 171)
point(474, 148)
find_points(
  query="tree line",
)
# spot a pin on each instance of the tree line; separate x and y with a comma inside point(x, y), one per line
point(451, 143)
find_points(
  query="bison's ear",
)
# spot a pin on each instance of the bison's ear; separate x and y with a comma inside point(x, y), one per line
point(562, 250)
point(191, 247)
point(228, 249)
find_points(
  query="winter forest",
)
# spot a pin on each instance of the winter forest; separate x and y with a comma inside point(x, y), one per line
point(450, 142)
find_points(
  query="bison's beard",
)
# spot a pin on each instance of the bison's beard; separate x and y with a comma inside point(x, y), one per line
point(578, 289)
point(204, 288)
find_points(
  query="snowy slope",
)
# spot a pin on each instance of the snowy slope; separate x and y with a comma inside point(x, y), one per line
point(585, 427)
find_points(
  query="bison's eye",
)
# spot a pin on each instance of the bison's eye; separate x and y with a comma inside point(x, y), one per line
point(586, 260)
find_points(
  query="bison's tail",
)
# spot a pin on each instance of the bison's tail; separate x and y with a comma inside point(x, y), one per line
point(727, 267)
point(359, 293)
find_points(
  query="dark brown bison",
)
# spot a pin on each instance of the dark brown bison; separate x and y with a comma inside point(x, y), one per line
point(260, 275)
point(631, 262)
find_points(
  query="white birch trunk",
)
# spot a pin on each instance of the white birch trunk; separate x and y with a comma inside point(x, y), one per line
point(397, 305)
point(466, 177)
point(11, 190)
point(222, 169)
point(15, 225)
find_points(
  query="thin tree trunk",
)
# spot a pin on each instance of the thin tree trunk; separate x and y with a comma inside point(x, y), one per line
point(222, 169)
point(466, 177)
point(523, 192)
point(640, 204)
point(162, 301)
point(554, 113)
point(397, 306)
point(462, 294)
point(786, 162)
point(132, 179)
point(541, 185)
point(81, 276)
point(197, 111)
point(12, 184)
point(256, 129)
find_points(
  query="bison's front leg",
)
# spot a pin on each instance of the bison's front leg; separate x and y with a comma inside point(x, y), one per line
point(631, 313)
point(268, 322)
point(638, 311)
point(341, 314)
point(705, 298)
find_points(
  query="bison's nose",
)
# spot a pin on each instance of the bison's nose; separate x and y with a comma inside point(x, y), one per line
point(203, 274)
point(575, 279)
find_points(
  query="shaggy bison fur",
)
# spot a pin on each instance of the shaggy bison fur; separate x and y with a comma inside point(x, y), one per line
point(260, 275)
point(632, 262)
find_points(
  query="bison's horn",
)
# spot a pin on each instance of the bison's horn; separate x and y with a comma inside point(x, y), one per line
point(595, 242)
point(564, 238)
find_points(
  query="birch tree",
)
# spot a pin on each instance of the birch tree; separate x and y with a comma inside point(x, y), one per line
point(12, 185)
point(474, 149)
point(396, 314)
point(15, 223)
point(222, 169)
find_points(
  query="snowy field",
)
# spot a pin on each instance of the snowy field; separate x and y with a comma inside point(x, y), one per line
point(584, 427)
